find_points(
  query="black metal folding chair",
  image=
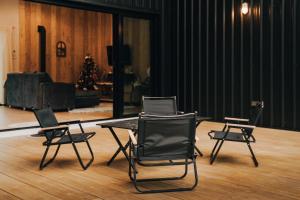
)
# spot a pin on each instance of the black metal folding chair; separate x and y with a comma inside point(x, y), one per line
point(246, 127)
point(163, 106)
point(58, 134)
point(160, 106)
point(160, 139)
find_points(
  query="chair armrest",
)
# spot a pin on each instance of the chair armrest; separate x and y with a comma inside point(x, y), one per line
point(131, 135)
point(240, 126)
point(70, 122)
point(236, 119)
point(210, 134)
point(54, 128)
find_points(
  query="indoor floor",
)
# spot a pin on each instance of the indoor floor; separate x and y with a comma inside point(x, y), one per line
point(17, 118)
point(232, 176)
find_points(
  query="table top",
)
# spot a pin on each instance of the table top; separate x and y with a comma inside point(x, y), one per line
point(132, 123)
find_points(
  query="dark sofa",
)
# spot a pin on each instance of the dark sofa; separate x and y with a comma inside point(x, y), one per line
point(36, 91)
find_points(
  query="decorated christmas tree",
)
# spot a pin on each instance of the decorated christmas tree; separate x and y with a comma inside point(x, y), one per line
point(89, 75)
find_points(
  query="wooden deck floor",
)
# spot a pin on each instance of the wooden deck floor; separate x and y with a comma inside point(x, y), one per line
point(233, 175)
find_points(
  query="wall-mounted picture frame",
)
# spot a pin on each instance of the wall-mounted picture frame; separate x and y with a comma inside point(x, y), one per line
point(61, 49)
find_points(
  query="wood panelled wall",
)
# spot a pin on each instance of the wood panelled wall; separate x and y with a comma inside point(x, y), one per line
point(84, 32)
point(217, 60)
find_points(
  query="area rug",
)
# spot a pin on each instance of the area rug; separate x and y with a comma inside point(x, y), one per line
point(94, 109)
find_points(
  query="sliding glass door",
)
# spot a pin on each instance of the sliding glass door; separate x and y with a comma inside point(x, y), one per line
point(136, 42)
point(132, 71)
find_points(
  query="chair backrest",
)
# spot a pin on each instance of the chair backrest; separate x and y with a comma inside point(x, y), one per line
point(46, 117)
point(159, 105)
point(256, 112)
point(166, 137)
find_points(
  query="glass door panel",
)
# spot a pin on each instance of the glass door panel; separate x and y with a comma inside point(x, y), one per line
point(136, 58)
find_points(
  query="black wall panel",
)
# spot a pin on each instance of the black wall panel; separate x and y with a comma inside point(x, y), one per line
point(218, 60)
point(150, 6)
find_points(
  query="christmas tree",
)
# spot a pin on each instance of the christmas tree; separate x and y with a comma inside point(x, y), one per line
point(89, 75)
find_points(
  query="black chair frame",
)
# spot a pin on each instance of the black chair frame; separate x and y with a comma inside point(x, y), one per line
point(133, 173)
point(174, 111)
point(246, 127)
point(59, 135)
point(246, 139)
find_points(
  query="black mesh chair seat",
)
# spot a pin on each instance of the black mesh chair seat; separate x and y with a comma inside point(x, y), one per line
point(59, 135)
point(164, 106)
point(163, 141)
point(246, 128)
point(76, 138)
point(231, 136)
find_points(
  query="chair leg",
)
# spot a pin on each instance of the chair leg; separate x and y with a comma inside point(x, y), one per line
point(253, 156)
point(79, 158)
point(213, 151)
point(214, 156)
point(136, 181)
point(130, 165)
point(42, 164)
point(132, 169)
point(185, 170)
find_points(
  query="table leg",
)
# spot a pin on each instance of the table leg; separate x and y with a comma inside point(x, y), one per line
point(199, 152)
point(114, 156)
point(117, 152)
point(121, 147)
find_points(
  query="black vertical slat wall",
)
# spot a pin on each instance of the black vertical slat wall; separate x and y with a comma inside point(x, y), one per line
point(149, 5)
point(219, 60)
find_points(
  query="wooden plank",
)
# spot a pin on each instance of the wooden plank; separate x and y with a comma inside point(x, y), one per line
point(65, 36)
point(78, 43)
point(22, 190)
point(52, 44)
point(43, 183)
point(7, 196)
point(59, 37)
point(22, 36)
point(94, 183)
